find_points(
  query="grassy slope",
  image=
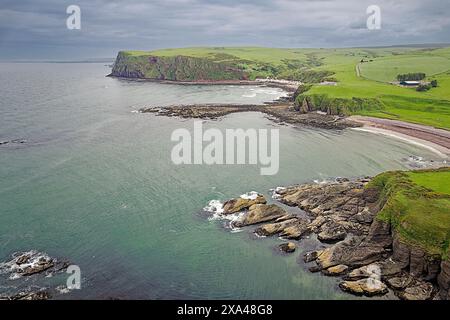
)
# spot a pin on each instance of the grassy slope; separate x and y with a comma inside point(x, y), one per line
point(429, 108)
point(417, 204)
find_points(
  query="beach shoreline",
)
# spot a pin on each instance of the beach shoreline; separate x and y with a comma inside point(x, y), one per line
point(288, 86)
point(434, 139)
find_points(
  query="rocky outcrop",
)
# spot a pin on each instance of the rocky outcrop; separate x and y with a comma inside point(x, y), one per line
point(16, 141)
point(28, 295)
point(30, 265)
point(305, 107)
point(259, 213)
point(331, 231)
point(338, 270)
point(280, 112)
point(242, 203)
point(345, 210)
point(356, 244)
point(288, 247)
point(365, 287)
point(444, 280)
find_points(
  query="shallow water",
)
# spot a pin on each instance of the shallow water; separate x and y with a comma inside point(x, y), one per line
point(94, 183)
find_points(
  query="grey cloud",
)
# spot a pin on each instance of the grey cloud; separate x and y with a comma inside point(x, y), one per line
point(36, 29)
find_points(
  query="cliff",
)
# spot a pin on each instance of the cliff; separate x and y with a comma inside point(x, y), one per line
point(174, 68)
point(220, 64)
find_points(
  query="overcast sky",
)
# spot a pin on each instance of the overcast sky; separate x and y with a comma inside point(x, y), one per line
point(36, 29)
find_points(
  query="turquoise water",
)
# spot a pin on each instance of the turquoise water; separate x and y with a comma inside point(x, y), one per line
point(95, 184)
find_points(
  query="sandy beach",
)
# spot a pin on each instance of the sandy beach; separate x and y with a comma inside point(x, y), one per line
point(437, 140)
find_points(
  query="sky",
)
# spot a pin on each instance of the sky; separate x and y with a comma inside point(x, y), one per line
point(36, 29)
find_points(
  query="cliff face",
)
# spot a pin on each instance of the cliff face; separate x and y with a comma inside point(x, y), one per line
point(174, 68)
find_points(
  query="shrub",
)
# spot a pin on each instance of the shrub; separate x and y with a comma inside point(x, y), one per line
point(423, 87)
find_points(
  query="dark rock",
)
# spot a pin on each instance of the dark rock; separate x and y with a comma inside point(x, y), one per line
point(444, 280)
point(42, 265)
point(380, 233)
point(311, 256)
point(400, 283)
point(401, 251)
point(331, 232)
point(418, 290)
point(288, 247)
point(27, 295)
point(314, 269)
point(22, 259)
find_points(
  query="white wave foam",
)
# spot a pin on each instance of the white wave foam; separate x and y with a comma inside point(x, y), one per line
point(252, 195)
point(323, 181)
point(214, 206)
point(276, 192)
point(34, 259)
point(63, 289)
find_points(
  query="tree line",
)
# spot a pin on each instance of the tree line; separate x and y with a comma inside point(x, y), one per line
point(411, 76)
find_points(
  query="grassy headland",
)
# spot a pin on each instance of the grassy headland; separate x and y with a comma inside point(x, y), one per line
point(417, 204)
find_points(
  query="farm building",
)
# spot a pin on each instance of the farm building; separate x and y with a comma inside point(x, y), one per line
point(409, 83)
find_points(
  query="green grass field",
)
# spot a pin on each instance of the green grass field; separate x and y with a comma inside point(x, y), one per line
point(316, 65)
point(387, 69)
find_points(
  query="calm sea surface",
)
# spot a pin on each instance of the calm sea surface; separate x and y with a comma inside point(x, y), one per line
point(94, 183)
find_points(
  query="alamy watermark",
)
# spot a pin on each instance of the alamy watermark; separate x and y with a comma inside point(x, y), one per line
point(73, 22)
point(234, 146)
point(374, 279)
point(374, 19)
point(74, 280)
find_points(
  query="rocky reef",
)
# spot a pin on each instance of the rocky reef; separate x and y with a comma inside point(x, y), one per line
point(14, 141)
point(278, 112)
point(369, 255)
point(30, 265)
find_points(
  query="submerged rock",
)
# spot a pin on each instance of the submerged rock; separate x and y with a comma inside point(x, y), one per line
point(311, 256)
point(288, 247)
point(25, 264)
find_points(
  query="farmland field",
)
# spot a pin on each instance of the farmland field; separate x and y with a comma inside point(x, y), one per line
point(312, 66)
point(387, 69)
